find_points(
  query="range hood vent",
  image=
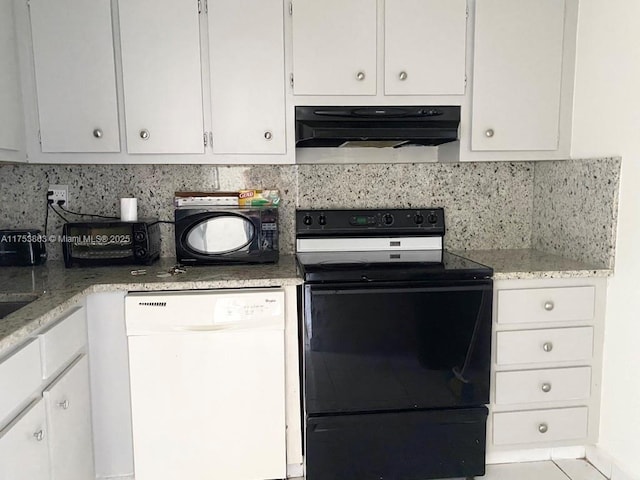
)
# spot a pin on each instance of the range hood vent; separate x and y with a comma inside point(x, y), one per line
point(321, 126)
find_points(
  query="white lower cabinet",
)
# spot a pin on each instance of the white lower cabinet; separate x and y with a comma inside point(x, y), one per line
point(547, 362)
point(23, 446)
point(68, 406)
point(47, 380)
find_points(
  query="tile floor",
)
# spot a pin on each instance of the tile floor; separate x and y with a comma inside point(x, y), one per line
point(550, 470)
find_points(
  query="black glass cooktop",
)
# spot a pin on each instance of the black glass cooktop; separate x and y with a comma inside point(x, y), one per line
point(381, 266)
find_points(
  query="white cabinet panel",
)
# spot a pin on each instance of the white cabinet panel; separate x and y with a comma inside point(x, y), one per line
point(546, 385)
point(11, 120)
point(161, 70)
point(546, 305)
point(20, 376)
point(23, 446)
point(60, 342)
point(334, 47)
point(246, 47)
point(68, 406)
point(75, 75)
point(545, 345)
point(510, 428)
point(517, 74)
point(425, 43)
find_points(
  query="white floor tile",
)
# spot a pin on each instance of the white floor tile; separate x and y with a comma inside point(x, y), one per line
point(579, 470)
point(524, 471)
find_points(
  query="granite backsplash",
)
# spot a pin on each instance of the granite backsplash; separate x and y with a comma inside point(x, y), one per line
point(552, 206)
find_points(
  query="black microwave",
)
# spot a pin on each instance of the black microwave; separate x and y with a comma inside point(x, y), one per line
point(211, 235)
point(110, 242)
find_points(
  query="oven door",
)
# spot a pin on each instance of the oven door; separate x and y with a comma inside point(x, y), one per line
point(393, 347)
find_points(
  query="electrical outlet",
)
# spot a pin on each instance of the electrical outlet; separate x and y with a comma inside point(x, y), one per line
point(59, 193)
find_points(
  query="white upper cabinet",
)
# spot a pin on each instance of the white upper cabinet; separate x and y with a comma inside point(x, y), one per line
point(75, 75)
point(425, 45)
point(517, 74)
point(246, 48)
point(11, 119)
point(161, 68)
point(334, 47)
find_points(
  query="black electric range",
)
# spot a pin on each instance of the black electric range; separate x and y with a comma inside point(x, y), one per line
point(395, 347)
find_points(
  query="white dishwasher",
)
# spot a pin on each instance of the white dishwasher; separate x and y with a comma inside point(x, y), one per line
point(207, 384)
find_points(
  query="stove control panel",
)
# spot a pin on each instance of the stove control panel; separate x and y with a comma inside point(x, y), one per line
point(405, 221)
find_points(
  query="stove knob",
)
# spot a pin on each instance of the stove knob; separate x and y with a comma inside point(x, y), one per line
point(432, 218)
point(307, 220)
point(418, 219)
point(387, 218)
point(322, 220)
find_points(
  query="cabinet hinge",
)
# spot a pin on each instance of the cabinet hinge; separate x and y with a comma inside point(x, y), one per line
point(207, 138)
point(290, 8)
point(291, 80)
point(39, 137)
point(465, 80)
point(467, 12)
point(202, 6)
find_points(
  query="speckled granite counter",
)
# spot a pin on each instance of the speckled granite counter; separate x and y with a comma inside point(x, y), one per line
point(59, 288)
point(528, 263)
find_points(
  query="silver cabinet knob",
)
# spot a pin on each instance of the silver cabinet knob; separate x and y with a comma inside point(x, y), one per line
point(39, 435)
point(64, 405)
point(543, 428)
point(97, 133)
point(402, 76)
point(360, 76)
point(268, 135)
point(144, 134)
point(546, 387)
point(489, 133)
point(548, 306)
point(547, 346)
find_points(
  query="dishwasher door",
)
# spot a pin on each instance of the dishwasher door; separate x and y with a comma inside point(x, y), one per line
point(207, 384)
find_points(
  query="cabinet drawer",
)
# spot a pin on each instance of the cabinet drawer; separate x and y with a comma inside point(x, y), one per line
point(545, 345)
point(546, 305)
point(20, 375)
point(540, 426)
point(62, 340)
point(543, 385)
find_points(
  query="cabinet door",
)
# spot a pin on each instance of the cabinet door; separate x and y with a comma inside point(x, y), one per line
point(517, 74)
point(425, 44)
point(75, 75)
point(10, 97)
point(68, 407)
point(23, 446)
point(334, 47)
point(160, 41)
point(247, 76)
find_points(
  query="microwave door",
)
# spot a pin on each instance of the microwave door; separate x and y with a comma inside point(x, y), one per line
point(220, 235)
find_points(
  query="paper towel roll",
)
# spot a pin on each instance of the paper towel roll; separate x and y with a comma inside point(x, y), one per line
point(129, 209)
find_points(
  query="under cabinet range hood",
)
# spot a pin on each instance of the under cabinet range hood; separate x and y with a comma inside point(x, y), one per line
point(364, 126)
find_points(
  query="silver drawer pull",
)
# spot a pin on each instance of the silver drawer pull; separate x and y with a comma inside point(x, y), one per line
point(489, 133)
point(548, 306)
point(39, 435)
point(547, 346)
point(64, 405)
point(543, 428)
point(360, 76)
point(546, 387)
point(144, 134)
point(97, 133)
point(403, 76)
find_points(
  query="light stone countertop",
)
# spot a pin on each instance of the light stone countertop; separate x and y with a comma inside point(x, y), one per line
point(528, 263)
point(59, 288)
